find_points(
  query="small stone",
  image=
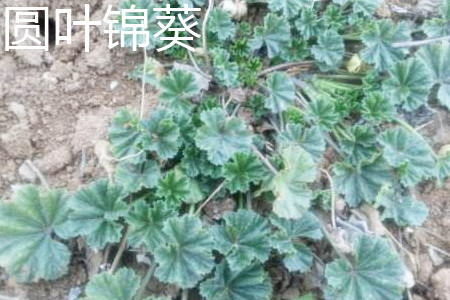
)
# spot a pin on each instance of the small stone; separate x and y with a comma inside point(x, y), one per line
point(26, 173)
point(61, 70)
point(17, 141)
point(113, 85)
point(441, 284)
point(425, 268)
point(73, 87)
point(48, 77)
point(18, 110)
point(55, 160)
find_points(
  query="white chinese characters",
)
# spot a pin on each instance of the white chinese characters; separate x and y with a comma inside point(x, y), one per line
point(127, 27)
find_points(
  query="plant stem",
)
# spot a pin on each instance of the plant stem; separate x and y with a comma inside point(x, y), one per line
point(122, 246)
point(285, 66)
point(264, 160)
point(333, 198)
point(144, 74)
point(241, 201)
point(192, 209)
point(420, 43)
point(204, 33)
point(38, 173)
point(249, 201)
point(185, 294)
point(213, 194)
point(327, 235)
point(197, 67)
point(147, 278)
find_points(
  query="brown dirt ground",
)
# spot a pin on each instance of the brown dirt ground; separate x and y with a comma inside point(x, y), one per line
point(55, 107)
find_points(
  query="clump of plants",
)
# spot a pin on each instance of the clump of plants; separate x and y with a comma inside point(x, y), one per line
point(286, 117)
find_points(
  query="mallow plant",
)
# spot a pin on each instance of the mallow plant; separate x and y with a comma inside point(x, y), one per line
point(283, 117)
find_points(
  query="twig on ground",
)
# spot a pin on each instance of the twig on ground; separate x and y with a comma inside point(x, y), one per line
point(145, 282)
point(333, 198)
point(122, 246)
point(38, 173)
point(191, 57)
point(420, 43)
point(437, 249)
point(204, 37)
point(284, 67)
point(264, 160)
point(185, 294)
point(213, 194)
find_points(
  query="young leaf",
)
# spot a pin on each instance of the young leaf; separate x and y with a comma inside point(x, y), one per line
point(123, 285)
point(403, 210)
point(310, 139)
point(226, 72)
point(281, 92)
point(308, 24)
point(134, 177)
point(177, 89)
point(161, 134)
point(274, 35)
point(195, 162)
point(220, 137)
point(409, 84)
point(289, 8)
point(245, 169)
point(243, 239)
point(251, 283)
point(437, 60)
point(361, 182)
point(378, 38)
point(329, 51)
point(410, 154)
point(322, 113)
point(377, 108)
point(30, 228)
point(221, 24)
point(96, 211)
point(366, 7)
point(124, 134)
point(293, 197)
point(359, 143)
point(146, 224)
point(297, 257)
point(442, 168)
point(174, 188)
point(185, 257)
point(436, 28)
point(376, 270)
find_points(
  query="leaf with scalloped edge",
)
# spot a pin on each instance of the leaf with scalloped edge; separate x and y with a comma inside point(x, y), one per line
point(366, 7)
point(221, 24)
point(222, 137)
point(162, 134)
point(376, 272)
point(225, 71)
point(146, 223)
point(292, 195)
point(134, 177)
point(184, 259)
point(308, 24)
point(442, 168)
point(96, 210)
point(289, 8)
point(173, 188)
point(412, 156)
point(177, 89)
point(359, 142)
point(243, 239)
point(378, 38)
point(435, 27)
point(123, 285)
point(329, 51)
point(409, 84)
point(323, 113)
point(377, 108)
point(403, 210)
point(361, 182)
point(195, 162)
point(310, 139)
point(251, 283)
point(31, 226)
point(437, 60)
point(274, 35)
point(245, 169)
point(281, 91)
point(124, 134)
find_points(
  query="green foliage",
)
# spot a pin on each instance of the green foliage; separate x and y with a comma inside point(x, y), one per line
point(32, 225)
point(134, 177)
point(308, 24)
point(366, 7)
point(226, 72)
point(293, 197)
point(220, 23)
point(288, 8)
point(409, 154)
point(146, 224)
point(408, 85)
point(375, 270)
point(274, 35)
point(173, 188)
point(362, 181)
point(378, 38)
point(329, 51)
point(184, 259)
point(221, 137)
point(377, 108)
point(251, 283)
point(124, 134)
point(281, 92)
point(322, 113)
point(436, 28)
point(96, 211)
point(243, 239)
point(177, 89)
point(242, 171)
point(123, 285)
point(359, 143)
